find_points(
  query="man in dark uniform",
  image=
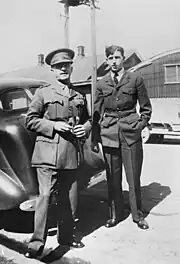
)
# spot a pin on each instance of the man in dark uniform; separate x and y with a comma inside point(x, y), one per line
point(118, 126)
point(56, 113)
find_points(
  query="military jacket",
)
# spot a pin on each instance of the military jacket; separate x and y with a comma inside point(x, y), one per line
point(50, 104)
point(115, 110)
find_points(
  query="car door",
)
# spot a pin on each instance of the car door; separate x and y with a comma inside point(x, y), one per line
point(16, 146)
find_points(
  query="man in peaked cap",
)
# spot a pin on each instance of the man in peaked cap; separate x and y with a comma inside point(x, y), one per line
point(57, 115)
point(59, 56)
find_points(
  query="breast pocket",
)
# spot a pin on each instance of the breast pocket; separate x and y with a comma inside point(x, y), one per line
point(107, 99)
point(129, 91)
point(54, 109)
point(129, 97)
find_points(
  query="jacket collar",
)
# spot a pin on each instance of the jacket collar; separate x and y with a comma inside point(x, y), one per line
point(108, 79)
point(57, 87)
point(73, 92)
point(124, 79)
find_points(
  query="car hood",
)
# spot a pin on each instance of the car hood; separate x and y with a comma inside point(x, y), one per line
point(165, 110)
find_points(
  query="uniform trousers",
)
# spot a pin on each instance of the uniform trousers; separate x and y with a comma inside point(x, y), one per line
point(61, 184)
point(131, 157)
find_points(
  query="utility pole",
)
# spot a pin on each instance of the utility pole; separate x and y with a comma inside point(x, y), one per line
point(93, 7)
point(94, 57)
point(66, 25)
point(65, 16)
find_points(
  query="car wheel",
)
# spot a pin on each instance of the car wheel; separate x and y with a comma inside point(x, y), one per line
point(145, 134)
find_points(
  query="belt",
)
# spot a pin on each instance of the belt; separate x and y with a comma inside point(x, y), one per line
point(116, 114)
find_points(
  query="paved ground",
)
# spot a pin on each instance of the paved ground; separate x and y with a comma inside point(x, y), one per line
point(125, 243)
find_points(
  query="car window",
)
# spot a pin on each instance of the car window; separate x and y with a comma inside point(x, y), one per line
point(33, 89)
point(14, 99)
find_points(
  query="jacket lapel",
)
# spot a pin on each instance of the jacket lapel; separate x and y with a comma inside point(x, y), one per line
point(124, 80)
point(73, 93)
point(109, 80)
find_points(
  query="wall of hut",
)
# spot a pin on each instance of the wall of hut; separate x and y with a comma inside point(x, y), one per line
point(154, 77)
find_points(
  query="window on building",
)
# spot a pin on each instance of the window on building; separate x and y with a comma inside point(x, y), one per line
point(172, 73)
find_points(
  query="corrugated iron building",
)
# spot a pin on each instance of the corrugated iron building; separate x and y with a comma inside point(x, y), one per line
point(161, 74)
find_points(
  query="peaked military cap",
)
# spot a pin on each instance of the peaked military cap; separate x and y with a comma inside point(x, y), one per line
point(60, 55)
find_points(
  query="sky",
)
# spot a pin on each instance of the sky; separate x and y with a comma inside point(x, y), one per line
point(30, 27)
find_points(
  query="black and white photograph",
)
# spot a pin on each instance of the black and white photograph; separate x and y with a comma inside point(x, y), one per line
point(89, 131)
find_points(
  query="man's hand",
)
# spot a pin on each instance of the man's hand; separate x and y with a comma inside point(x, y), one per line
point(62, 126)
point(79, 131)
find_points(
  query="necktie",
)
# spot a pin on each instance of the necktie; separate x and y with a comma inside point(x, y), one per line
point(115, 78)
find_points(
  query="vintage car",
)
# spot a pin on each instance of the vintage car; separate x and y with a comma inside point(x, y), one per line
point(17, 177)
point(18, 182)
point(164, 122)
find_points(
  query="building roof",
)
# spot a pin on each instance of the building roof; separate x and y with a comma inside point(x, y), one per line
point(152, 59)
point(82, 69)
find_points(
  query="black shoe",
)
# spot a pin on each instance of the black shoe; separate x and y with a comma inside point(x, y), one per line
point(33, 253)
point(143, 224)
point(112, 222)
point(73, 243)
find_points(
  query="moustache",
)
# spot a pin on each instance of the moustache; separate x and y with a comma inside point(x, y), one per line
point(63, 72)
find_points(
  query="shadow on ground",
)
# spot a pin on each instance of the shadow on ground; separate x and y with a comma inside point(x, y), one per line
point(93, 213)
point(152, 195)
point(56, 254)
point(57, 257)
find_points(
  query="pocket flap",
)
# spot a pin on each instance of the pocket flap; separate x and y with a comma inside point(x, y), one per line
point(107, 93)
point(54, 140)
point(60, 101)
point(129, 91)
point(133, 118)
point(108, 121)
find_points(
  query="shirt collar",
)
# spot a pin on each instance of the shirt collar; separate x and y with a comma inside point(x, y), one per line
point(119, 74)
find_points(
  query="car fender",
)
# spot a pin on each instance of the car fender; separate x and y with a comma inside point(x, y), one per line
point(18, 179)
point(11, 193)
